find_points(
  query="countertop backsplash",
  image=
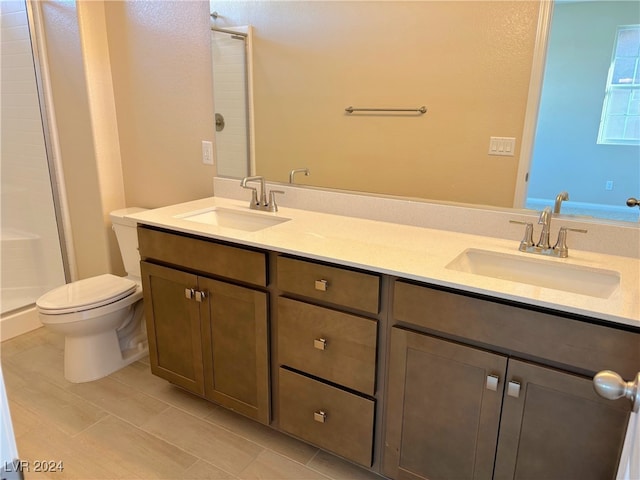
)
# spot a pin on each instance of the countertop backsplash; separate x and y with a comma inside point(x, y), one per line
point(611, 238)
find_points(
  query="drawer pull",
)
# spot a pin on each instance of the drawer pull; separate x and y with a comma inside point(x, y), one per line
point(322, 285)
point(513, 389)
point(200, 296)
point(492, 383)
point(188, 293)
point(320, 343)
point(320, 416)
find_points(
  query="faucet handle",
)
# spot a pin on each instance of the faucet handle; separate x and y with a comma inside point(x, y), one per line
point(273, 206)
point(254, 194)
point(527, 239)
point(561, 244)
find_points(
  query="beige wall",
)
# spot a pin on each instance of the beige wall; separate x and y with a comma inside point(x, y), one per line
point(469, 63)
point(161, 64)
point(131, 85)
point(92, 239)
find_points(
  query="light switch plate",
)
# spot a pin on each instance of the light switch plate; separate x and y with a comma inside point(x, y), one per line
point(207, 152)
point(504, 146)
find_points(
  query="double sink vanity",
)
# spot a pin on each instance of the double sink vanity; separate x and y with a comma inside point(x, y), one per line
point(413, 352)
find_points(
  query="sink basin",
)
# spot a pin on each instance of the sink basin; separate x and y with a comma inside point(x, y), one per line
point(235, 219)
point(542, 273)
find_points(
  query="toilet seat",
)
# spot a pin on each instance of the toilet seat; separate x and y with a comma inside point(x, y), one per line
point(86, 294)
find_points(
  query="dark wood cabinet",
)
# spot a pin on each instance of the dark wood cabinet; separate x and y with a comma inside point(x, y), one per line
point(174, 327)
point(555, 426)
point(236, 357)
point(443, 408)
point(480, 410)
point(207, 335)
point(326, 362)
point(411, 380)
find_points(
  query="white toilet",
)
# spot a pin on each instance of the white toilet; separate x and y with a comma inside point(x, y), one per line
point(101, 317)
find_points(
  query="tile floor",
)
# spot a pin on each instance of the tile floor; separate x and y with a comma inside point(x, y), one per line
point(133, 425)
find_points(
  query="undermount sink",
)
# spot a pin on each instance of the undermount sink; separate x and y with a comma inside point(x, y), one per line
point(235, 219)
point(550, 273)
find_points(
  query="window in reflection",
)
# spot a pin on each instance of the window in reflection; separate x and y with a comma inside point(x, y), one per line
point(566, 154)
point(621, 112)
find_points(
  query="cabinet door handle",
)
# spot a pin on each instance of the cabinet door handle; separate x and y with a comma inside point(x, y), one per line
point(201, 296)
point(320, 343)
point(320, 416)
point(492, 382)
point(321, 285)
point(513, 389)
point(188, 293)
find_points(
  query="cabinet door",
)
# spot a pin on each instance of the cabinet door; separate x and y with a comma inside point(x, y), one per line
point(173, 326)
point(235, 341)
point(442, 410)
point(558, 427)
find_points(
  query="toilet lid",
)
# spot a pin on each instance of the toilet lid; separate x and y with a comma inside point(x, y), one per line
point(86, 294)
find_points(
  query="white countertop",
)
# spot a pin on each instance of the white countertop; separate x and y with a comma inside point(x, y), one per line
point(410, 252)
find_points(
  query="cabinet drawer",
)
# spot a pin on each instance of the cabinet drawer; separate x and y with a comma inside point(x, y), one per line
point(332, 345)
point(203, 256)
point(561, 340)
point(330, 284)
point(327, 416)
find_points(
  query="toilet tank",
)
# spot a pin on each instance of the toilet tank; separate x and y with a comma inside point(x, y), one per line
point(127, 236)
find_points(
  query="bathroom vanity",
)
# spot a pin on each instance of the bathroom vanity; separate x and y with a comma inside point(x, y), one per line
point(366, 339)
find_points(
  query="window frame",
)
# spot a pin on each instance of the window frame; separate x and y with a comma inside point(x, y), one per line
point(612, 87)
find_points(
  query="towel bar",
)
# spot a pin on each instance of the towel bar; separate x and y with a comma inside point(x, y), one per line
point(422, 109)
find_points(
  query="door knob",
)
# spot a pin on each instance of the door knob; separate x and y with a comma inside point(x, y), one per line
point(610, 385)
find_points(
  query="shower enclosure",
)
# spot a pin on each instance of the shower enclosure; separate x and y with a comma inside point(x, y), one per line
point(31, 261)
point(231, 55)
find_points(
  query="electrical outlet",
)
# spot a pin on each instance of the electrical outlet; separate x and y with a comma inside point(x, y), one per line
point(608, 185)
point(207, 152)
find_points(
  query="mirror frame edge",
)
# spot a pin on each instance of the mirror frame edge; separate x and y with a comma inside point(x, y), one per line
point(545, 15)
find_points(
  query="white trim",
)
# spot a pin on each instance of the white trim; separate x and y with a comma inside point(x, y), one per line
point(251, 119)
point(19, 322)
point(533, 102)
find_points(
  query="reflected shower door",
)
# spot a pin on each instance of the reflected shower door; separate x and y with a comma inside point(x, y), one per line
point(230, 94)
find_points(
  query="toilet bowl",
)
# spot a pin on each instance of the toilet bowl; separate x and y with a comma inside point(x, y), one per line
point(102, 317)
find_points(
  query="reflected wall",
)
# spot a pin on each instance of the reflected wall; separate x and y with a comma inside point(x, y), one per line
point(469, 63)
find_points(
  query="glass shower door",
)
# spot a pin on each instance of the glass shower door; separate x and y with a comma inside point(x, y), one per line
point(31, 260)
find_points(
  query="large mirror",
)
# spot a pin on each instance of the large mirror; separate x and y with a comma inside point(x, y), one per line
point(470, 63)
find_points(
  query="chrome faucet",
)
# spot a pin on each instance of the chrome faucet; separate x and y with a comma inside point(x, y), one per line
point(559, 198)
point(262, 203)
point(543, 247)
point(298, 170)
point(545, 221)
point(254, 193)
